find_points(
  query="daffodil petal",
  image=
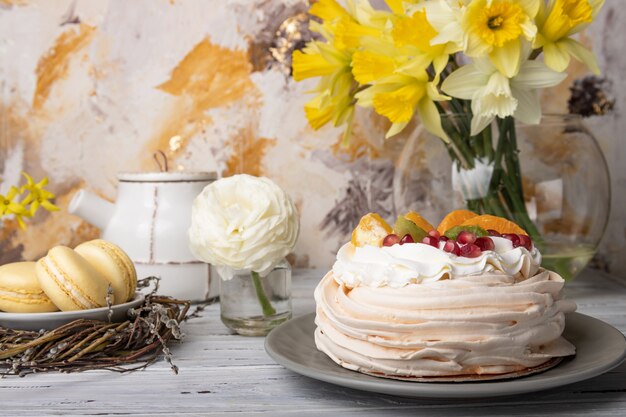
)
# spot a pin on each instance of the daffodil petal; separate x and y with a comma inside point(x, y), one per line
point(416, 67)
point(535, 74)
point(464, 82)
point(479, 123)
point(531, 7)
point(328, 10)
point(439, 13)
point(452, 33)
point(584, 55)
point(395, 129)
point(507, 58)
point(429, 115)
point(529, 29)
point(318, 112)
point(368, 67)
point(310, 65)
point(395, 6)
point(365, 98)
point(596, 5)
point(433, 92)
point(440, 63)
point(528, 106)
point(555, 56)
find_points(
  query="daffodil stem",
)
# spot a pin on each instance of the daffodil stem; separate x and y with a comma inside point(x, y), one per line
point(458, 146)
point(505, 194)
point(266, 306)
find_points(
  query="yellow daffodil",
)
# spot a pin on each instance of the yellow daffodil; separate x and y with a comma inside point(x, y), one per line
point(557, 22)
point(333, 101)
point(343, 30)
point(399, 7)
point(318, 59)
point(328, 10)
point(368, 66)
point(8, 206)
point(445, 16)
point(399, 97)
point(416, 33)
point(37, 195)
point(379, 58)
point(347, 27)
point(496, 28)
point(493, 94)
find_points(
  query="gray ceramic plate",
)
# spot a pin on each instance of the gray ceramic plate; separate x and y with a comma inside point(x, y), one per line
point(49, 321)
point(599, 346)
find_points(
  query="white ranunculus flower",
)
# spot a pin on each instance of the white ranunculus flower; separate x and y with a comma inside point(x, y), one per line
point(243, 222)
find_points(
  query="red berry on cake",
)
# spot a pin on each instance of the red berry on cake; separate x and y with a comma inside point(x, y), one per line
point(452, 247)
point(391, 239)
point(466, 237)
point(471, 251)
point(526, 242)
point(406, 239)
point(515, 240)
point(485, 243)
point(434, 233)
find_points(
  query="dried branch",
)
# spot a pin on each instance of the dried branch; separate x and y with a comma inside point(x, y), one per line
point(92, 344)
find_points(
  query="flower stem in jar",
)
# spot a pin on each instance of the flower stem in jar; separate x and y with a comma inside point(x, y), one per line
point(268, 310)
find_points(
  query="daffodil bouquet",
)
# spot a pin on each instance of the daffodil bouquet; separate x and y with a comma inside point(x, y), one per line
point(460, 66)
point(23, 202)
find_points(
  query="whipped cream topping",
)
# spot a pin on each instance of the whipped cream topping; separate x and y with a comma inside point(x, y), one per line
point(487, 323)
point(413, 263)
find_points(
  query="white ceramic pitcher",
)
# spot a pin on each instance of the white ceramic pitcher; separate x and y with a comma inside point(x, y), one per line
point(149, 221)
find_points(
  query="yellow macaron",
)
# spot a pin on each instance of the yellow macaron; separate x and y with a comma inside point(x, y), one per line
point(114, 264)
point(70, 281)
point(20, 291)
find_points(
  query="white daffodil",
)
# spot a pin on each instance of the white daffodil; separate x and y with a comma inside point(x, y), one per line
point(495, 95)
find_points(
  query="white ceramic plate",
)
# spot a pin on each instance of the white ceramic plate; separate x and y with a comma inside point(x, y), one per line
point(599, 348)
point(49, 321)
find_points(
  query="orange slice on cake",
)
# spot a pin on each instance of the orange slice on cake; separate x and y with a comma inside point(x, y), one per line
point(499, 224)
point(419, 221)
point(454, 218)
point(371, 230)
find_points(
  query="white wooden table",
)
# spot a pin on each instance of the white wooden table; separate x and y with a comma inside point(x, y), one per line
point(224, 374)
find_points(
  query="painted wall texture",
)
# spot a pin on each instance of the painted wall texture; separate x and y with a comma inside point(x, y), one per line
point(91, 88)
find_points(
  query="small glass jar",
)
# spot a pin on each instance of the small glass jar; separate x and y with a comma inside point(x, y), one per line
point(252, 305)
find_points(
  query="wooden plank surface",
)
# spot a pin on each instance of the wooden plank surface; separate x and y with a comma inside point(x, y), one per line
point(224, 374)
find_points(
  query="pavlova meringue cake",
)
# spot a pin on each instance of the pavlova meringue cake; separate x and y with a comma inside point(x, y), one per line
point(468, 300)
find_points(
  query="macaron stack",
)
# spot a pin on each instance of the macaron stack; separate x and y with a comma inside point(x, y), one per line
point(68, 279)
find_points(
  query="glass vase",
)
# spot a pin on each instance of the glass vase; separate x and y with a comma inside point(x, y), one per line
point(551, 179)
point(252, 305)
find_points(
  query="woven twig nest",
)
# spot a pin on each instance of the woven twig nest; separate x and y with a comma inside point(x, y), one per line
point(93, 344)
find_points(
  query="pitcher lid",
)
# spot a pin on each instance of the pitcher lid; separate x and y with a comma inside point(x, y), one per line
point(176, 176)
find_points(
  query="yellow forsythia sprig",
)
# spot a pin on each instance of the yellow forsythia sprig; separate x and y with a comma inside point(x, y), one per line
point(23, 202)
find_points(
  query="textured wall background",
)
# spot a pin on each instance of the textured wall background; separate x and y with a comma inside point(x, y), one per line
point(90, 88)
